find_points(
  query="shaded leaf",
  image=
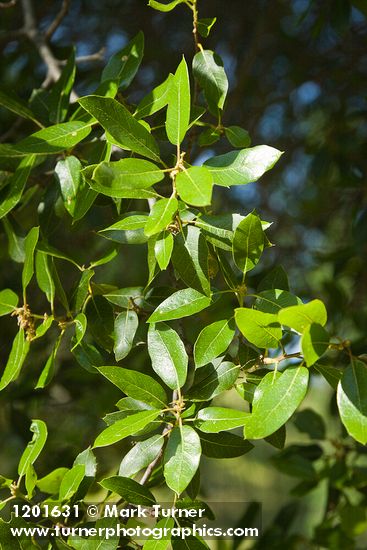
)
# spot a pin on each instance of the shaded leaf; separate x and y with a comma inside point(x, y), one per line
point(314, 343)
point(209, 72)
point(16, 185)
point(123, 65)
point(190, 259)
point(18, 354)
point(224, 445)
point(131, 491)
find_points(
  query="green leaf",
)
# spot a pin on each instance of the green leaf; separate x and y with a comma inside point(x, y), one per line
point(213, 340)
point(128, 230)
point(131, 491)
point(275, 278)
point(30, 243)
point(168, 355)
point(331, 374)
point(300, 317)
point(48, 370)
point(161, 215)
point(181, 458)
point(71, 481)
point(115, 178)
point(30, 481)
point(217, 235)
point(49, 141)
point(60, 93)
point(15, 242)
point(123, 296)
point(195, 185)
point(242, 167)
point(69, 175)
point(212, 380)
point(125, 427)
point(8, 301)
point(178, 111)
point(17, 106)
point(80, 327)
point(190, 259)
point(310, 422)
point(261, 329)
point(44, 276)
point(272, 301)
point(164, 7)
point(163, 247)
point(121, 125)
point(34, 447)
point(136, 385)
point(248, 243)
point(224, 445)
point(141, 455)
point(210, 74)
point(219, 419)
point(101, 321)
point(156, 100)
point(123, 66)
point(163, 542)
point(276, 399)
point(352, 400)
point(18, 354)
point(16, 185)
point(126, 325)
point(205, 25)
point(50, 483)
point(182, 303)
point(238, 137)
point(314, 343)
point(51, 251)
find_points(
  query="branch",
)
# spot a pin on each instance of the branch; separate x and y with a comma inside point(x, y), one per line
point(58, 19)
point(153, 464)
point(34, 35)
point(9, 4)
point(97, 56)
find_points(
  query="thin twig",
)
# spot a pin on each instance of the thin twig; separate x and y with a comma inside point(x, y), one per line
point(57, 21)
point(283, 357)
point(149, 470)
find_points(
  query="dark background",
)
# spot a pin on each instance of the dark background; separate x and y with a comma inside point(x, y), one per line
point(298, 82)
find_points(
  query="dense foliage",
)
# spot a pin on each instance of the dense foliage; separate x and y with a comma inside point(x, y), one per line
point(194, 324)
